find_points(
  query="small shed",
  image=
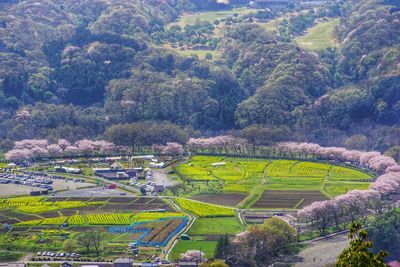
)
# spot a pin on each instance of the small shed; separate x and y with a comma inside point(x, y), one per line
point(11, 165)
point(116, 166)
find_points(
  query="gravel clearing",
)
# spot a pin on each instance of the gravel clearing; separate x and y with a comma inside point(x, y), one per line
point(323, 252)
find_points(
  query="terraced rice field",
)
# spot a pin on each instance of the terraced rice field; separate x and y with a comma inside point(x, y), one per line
point(253, 176)
point(102, 219)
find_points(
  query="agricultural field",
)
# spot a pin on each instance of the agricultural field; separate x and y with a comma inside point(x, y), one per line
point(288, 199)
point(41, 231)
point(37, 205)
point(203, 209)
point(251, 177)
point(320, 36)
point(229, 200)
point(216, 226)
point(102, 219)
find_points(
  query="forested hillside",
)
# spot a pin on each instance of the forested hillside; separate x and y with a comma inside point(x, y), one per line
point(91, 68)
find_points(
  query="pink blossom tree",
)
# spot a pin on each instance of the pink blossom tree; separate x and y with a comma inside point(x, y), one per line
point(71, 150)
point(18, 155)
point(318, 215)
point(63, 143)
point(193, 256)
point(217, 141)
point(39, 152)
point(170, 148)
point(55, 150)
point(85, 146)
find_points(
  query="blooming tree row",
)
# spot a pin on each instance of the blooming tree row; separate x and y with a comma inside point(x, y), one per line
point(355, 205)
point(38, 148)
point(217, 141)
point(170, 148)
point(373, 160)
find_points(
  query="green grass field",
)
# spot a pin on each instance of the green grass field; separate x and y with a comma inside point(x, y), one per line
point(201, 54)
point(216, 226)
point(319, 37)
point(211, 16)
point(208, 247)
point(253, 176)
point(271, 25)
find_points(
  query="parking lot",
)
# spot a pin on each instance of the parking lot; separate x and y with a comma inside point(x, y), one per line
point(40, 180)
point(16, 190)
point(23, 183)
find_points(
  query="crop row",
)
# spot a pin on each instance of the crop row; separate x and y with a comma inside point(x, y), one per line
point(203, 209)
point(103, 219)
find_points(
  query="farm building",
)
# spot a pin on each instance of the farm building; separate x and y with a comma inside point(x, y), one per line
point(116, 174)
point(67, 170)
point(147, 157)
point(116, 166)
point(123, 262)
point(159, 165)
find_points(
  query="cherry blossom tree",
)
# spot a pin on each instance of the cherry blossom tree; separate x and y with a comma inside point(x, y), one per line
point(22, 115)
point(18, 155)
point(104, 146)
point(170, 148)
point(85, 146)
point(217, 141)
point(31, 143)
point(193, 256)
point(71, 150)
point(55, 150)
point(63, 143)
point(318, 215)
point(39, 152)
point(373, 160)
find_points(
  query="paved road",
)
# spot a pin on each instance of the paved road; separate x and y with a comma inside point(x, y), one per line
point(119, 185)
point(161, 178)
point(323, 252)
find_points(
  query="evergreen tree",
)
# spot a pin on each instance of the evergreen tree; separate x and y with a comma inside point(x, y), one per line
point(358, 253)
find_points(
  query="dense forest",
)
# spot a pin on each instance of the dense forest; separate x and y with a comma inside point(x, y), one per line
point(95, 68)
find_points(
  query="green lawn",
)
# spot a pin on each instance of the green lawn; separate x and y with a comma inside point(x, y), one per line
point(201, 54)
point(271, 25)
point(319, 37)
point(216, 226)
point(208, 247)
point(211, 16)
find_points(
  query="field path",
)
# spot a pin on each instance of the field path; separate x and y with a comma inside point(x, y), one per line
point(322, 252)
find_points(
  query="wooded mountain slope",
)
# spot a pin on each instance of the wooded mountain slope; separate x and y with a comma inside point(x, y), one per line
point(74, 69)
